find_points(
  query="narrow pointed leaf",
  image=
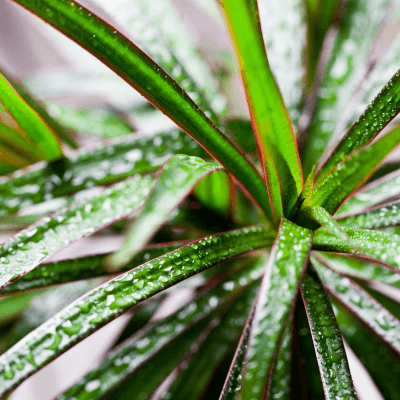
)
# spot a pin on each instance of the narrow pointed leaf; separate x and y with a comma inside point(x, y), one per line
point(270, 119)
point(377, 217)
point(97, 167)
point(138, 21)
point(40, 110)
point(328, 343)
point(273, 305)
point(33, 245)
point(359, 25)
point(116, 296)
point(379, 245)
point(130, 355)
point(361, 269)
point(381, 362)
point(349, 174)
point(148, 78)
point(30, 121)
point(284, 32)
point(177, 178)
point(65, 271)
point(13, 306)
point(364, 306)
point(383, 189)
point(379, 113)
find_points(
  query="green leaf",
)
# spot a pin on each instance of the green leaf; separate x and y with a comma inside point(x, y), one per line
point(383, 189)
point(145, 26)
point(270, 119)
point(358, 28)
point(30, 247)
point(363, 306)
point(379, 113)
point(13, 306)
point(30, 121)
point(65, 271)
point(135, 352)
point(176, 180)
point(242, 131)
point(377, 217)
point(39, 108)
point(116, 296)
point(379, 245)
point(148, 78)
point(328, 343)
point(272, 308)
point(349, 174)
point(381, 362)
point(97, 167)
point(284, 32)
point(360, 269)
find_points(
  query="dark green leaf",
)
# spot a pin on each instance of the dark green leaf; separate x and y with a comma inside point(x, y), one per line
point(328, 343)
point(358, 27)
point(114, 297)
point(126, 59)
point(361, 304)
point(97, 167)
point(273, 305)
point(177, 179)
point(42, 137)
point(349, 174)
point(270, 119)
point(13, 306)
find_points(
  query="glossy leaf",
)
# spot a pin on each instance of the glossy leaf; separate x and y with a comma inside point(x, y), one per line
point(30, 121)
point(383, 189)
point(284, 33)
point(137, 351)
point(377, 217)
point(126, 59)
point(177, 179)
point(270, 119)
point(349, 174)
point(379, 113)
point(364, 306)
point(114, 297)
point(328, 343)
point(381, 362)
point(30, 247)
point(97, 167)
point(144, 26)
point(379, 245)
point(65, 271)
point(273, 305)
point(361, 269)
point(359, 25)
point(39, 108)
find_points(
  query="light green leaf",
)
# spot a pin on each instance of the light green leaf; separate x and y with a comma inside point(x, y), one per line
point(177, 178)
point(328, 343)
point(270, 119)
point(114, 297)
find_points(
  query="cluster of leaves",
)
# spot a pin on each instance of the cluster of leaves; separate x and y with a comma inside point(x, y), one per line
point(279, 280)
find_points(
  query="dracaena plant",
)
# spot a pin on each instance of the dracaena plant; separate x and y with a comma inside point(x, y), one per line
point(281, 268)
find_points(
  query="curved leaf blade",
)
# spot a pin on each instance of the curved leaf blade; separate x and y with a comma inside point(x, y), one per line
point(108, 301)
point(100, 166)
point(270, 119)
point(328, 343)
point(330, 191)
point(30, 121)
point(364, 306)
point(272, 308)
point(149, 79)
point(133, 353)
point(33, 245)
point(359, 25)
point(379, 113)
point(177, 178)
